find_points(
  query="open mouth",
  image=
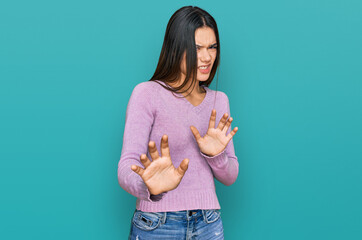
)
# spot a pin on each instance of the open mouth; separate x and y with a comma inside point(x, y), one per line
point(205, 69)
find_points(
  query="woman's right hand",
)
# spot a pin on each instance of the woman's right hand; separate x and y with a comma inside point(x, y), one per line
point(160, 175)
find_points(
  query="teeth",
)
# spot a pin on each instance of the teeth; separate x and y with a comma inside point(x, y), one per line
point(203, 67)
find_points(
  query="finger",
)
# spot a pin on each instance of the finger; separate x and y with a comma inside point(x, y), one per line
point(232, 133)
point(227, 125)
point(137, 170)
point(145, 161)
point(153, 150)
point(212, 119)
point(196, 133)
point(165, 150)
point(184, 165)
point(222, 121)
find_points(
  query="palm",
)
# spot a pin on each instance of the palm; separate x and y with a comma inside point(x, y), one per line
point(215, 139)
point(160, 175)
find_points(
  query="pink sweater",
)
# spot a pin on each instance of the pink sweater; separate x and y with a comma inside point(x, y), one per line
point(153, 111)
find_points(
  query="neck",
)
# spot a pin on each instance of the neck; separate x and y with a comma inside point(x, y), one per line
point(192, 91)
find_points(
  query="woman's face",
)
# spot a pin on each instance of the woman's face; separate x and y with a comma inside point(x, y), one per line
point(206, 47)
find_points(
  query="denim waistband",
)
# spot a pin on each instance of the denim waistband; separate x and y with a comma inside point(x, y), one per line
point(182, 215)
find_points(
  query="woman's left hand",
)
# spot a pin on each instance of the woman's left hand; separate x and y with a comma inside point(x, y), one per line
point(215, 139)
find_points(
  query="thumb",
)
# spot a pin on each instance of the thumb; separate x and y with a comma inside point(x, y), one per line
point(183, 167)
point(196, 133)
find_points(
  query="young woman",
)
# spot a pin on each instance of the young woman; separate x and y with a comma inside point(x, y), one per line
point(175, 112)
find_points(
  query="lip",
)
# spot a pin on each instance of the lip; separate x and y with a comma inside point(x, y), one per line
point(204, 66)
point(205, 71)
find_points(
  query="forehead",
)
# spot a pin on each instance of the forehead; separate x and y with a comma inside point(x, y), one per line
point(205, 36)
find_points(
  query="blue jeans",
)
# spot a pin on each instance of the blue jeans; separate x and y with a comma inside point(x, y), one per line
point(188, 224)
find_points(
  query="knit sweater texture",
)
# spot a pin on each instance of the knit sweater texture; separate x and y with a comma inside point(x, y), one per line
point(154, 111)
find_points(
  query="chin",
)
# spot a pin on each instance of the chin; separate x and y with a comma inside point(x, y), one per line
point(203, 78)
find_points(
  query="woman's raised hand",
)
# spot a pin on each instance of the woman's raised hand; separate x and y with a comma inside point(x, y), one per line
point(215, 139)
point(160, 175)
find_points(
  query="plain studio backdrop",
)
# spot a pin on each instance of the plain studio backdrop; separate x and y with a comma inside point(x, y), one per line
point(293, 74)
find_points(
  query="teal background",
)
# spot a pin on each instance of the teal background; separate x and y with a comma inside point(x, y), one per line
point(292, 71)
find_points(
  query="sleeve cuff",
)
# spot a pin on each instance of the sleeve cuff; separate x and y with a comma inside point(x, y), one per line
point(155, 198)
point(217, 160)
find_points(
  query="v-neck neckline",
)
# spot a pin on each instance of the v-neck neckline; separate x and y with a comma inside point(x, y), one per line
point(203, 100)
point(197, 108)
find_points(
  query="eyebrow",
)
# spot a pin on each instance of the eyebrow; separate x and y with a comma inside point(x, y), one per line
point(209, 46)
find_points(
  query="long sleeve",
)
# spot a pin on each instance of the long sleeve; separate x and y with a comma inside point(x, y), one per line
point(138, 125)
point(225, 166)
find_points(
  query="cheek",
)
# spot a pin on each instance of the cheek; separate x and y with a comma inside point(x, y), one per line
point(213, 56)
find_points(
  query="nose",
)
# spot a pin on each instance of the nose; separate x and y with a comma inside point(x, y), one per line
point(205, 55)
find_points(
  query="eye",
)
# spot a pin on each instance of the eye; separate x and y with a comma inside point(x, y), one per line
point(214, 47)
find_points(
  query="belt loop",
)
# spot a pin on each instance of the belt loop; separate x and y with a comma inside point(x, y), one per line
point(164, 217)
point(203, 214)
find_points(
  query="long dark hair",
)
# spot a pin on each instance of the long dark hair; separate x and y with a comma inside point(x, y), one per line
point(180, 37)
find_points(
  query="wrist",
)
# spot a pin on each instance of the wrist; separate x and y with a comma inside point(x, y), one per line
point(208, 155)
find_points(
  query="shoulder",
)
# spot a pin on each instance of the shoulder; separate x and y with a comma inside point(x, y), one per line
point(146, 89)
point(219, 95)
